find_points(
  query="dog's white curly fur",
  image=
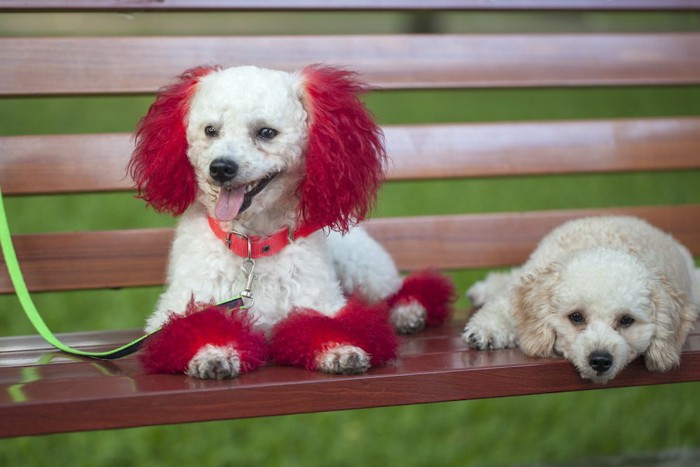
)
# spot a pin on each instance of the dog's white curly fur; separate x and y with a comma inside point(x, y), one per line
point(599, 291)
point(314, 272)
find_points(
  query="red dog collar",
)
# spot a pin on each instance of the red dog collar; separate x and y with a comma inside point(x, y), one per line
point(258, 247)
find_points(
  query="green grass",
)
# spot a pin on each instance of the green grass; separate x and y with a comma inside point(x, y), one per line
point(544, 428)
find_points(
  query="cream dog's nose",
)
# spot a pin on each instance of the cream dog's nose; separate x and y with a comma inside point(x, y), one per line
point(600, 361)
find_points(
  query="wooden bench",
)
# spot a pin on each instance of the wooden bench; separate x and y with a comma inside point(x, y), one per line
point(45, 391)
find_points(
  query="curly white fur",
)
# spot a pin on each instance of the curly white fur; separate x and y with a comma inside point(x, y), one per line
point(314, 272)
point(599, 291)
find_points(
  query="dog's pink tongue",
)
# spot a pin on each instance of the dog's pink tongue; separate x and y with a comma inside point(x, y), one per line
point(229, 203)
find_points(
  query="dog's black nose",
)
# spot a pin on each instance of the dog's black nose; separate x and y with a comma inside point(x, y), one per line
point(600, 361)
point(223, 170)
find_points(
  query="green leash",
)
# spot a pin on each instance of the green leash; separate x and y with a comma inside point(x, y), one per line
point(8, 251)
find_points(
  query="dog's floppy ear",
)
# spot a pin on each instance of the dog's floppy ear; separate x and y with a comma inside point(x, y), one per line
point(345, 155)
point(532, 302)
point(673, 317)
point(159, 164)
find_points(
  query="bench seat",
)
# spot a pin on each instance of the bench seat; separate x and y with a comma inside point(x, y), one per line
point(45, 391)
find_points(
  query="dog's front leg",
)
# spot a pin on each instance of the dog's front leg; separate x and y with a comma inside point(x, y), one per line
point(215, 362)
point(424, 299)
point(492, 327)
point(357, 337)
point(207, 342)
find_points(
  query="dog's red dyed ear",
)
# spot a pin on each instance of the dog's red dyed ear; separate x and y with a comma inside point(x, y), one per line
point(159, 165)
point(345, 156)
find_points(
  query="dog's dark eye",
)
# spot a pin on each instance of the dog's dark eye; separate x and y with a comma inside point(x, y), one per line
point(210, 131)
point(577, 317)
point(626, 321)
point(267, 133)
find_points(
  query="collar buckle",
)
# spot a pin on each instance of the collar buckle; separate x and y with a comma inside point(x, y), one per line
point(244, 237)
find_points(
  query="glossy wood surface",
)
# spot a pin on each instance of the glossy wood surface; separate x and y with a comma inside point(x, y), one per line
point(48, 164)
point(109, 65)
point(113, 259)
point(43, 391)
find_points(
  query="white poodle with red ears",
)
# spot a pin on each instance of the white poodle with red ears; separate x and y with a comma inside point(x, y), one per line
point(270, 172)
point(598, 291)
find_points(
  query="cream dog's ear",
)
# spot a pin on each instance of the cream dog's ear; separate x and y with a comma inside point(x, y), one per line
point(674, 316)
point(532, 304)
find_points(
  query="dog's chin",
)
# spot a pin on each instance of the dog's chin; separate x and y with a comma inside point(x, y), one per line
point(586, 372)
point(597, 378)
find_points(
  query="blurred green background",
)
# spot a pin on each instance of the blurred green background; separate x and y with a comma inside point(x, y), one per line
point(559, 428)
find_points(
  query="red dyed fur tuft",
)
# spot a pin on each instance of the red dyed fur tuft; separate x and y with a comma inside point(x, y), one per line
point(159, 165)
point(432, 290)
point(345, 156)
point(172, 348)
point(303, 334)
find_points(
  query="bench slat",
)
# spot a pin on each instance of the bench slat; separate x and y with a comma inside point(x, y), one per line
point(48, 164)
point(506, 239)
point(77, 394)
point(21, 351)
point(91, 260)
point(38, 66)
point(56, 367)
point(67, 163)
point(104, 259)
point(324, 5)
point(536, 148)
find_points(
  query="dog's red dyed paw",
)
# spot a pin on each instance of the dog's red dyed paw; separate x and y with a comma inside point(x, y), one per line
point(206, 342)
point(425, 299)
point(358, 337)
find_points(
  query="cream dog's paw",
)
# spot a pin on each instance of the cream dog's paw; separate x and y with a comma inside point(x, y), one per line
point(408, 318)
point(343, 359)
point(490, 328)
point(481, 338)
point(215, 362)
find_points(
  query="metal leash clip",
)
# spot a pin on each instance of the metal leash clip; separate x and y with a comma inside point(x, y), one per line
point(248, 268)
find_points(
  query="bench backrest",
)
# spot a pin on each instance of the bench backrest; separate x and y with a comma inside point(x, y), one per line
point(77, 66)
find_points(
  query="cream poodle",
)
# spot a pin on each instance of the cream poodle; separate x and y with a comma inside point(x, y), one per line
point(269, 172)
point(598, 291)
